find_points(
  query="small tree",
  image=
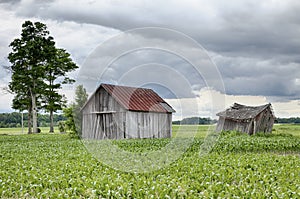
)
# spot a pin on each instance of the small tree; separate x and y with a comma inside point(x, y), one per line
point(61, 126)
point(70, 123)
point(81, 97)
point(73, 114)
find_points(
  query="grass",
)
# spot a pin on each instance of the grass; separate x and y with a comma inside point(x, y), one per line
point(239, 166)
point(199, 131)
point(18, 131)
point(292, 129)
point(202, 130)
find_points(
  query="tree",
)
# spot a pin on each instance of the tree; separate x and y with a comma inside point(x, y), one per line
point(56, 75)
point(70, 123)
point(21, 101)
point(81, 97)
point(73, 114)
point(29, 55)
point(38, 70)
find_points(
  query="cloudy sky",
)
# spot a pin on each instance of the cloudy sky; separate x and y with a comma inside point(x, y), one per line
point(200, 55)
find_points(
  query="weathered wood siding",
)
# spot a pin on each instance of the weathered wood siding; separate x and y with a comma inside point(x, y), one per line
point(232, 125)
point(104, 118)
point(263, 122)
point(88, 118)
point(148, 125)
point(220, 124)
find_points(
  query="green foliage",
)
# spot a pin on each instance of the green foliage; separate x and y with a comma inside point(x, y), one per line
point(61, 126)
point(38, 71)
point(286, 129)
point(242, 143)
point(291, 120)
point(29, 55)
point(10, 120)
point(70, 126)
point(56, 75)
point(61, 167)
point(73, 112)
point(22, 101)
point(195, 121)
point(81, 97)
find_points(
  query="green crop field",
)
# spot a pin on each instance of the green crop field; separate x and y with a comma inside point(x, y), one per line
point(19, 131)
point(238, 166)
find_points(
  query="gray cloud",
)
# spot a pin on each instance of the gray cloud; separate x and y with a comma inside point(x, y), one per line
point(255, 44)
point(12, 2)
point(132, 59)
point(268, 77)
point(252, 28)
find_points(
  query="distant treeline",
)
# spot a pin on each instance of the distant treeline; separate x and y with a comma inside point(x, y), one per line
point(9, 120)
point(195, 120)
point(199, 120)
point(291, 120)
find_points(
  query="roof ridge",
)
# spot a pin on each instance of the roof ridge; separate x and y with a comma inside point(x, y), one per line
point(125, 86)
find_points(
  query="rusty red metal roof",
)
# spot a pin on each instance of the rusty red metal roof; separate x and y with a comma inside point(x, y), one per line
point(138, 99)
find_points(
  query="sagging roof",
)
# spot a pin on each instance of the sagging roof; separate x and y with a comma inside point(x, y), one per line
point(138, 99)
point(242, 112)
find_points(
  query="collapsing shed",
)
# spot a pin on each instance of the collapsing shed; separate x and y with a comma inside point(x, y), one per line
point(246, 119)
point(118, 112)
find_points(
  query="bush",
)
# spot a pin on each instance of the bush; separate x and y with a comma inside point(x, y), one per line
point(61, 126)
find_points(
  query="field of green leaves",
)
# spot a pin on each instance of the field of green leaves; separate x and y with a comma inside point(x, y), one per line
point(239, 166)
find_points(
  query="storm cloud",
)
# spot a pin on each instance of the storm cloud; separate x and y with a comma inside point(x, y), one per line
point(255, 44)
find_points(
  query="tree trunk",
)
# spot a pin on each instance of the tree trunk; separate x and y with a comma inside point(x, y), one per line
point(29, 120)
point(34, 113)
point(51, 122)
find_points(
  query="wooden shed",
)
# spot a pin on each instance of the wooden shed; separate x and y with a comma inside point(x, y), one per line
point(119, 112)
point(248, 119)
